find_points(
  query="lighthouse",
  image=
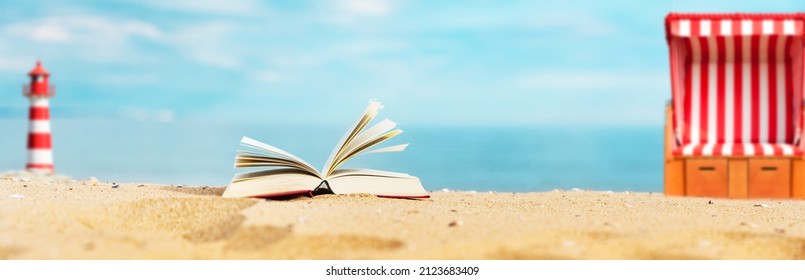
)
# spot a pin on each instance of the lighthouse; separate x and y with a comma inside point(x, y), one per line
point(39, 92)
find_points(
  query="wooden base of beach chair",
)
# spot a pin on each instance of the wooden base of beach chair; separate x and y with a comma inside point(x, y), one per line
point(732, 177)
point(798, 178)
point(735, 177)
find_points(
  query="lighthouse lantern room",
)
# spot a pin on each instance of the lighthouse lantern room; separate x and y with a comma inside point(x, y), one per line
point(39, 92)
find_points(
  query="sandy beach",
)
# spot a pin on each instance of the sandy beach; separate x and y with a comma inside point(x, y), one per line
point(61, 218)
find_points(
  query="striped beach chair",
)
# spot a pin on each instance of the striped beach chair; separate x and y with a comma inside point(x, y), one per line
point(734, 123)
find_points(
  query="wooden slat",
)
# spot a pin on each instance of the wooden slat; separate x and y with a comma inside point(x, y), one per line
point(798, 178)
point(769, 178)
point(738, 187)
point(674, 167)
point(706, 177)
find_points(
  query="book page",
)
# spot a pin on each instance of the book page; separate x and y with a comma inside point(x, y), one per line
point(395, 148)
point(364, 140)
point(402, 187)
point(269, 183)
point(359, 149)
point(274, 152)
point(368, 114)
point(245, 176)
point(245, 160)
point(373, 132)
point(366, 172)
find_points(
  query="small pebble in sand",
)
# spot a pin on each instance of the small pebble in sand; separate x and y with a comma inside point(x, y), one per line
point(16, 196)
point(140, 186)
point(779, 230)
point(710, 202)
point(25, 179)
point(92, 181)
point(764, 205)
point(456, 223)
point(453, 210)
point(751, 225)
point(115, 186)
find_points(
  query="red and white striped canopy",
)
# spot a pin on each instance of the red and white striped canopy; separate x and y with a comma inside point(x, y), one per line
point(706, 25)
point(737, 82)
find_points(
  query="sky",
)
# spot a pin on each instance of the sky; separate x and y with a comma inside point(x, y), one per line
point(431, 62)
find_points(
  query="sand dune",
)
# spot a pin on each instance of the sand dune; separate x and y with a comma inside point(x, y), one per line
point(59, 218)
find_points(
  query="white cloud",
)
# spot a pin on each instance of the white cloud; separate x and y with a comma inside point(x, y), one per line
point(208, 43)
point(86, 38)
point(82, 29)
point(561, 18)
point(148, 115)
point(101, 38)
point(15, 63)
point(227, 7)
point(215, 58)
point(563, 80)
point(356, 12)
point(50, 33)
point(580, 23)
point(355, 51)
point(367, 7)
point(128, 79)
point(266, 76)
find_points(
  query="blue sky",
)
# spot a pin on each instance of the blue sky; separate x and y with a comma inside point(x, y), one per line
point(444, 62)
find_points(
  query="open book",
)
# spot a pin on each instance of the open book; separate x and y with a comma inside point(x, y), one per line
point(286, 174)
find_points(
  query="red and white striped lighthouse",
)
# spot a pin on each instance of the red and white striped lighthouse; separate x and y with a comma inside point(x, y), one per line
point(40, 153)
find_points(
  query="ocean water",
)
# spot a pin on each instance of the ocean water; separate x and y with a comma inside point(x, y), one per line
point(481, 158)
